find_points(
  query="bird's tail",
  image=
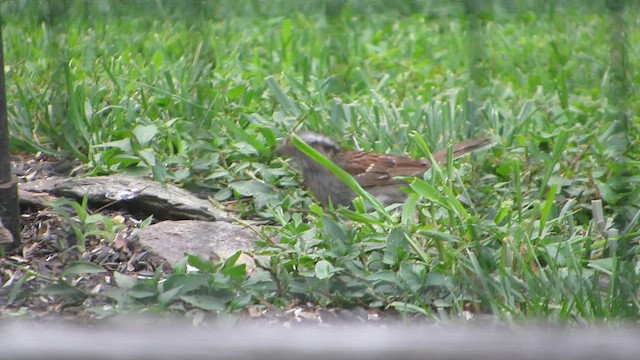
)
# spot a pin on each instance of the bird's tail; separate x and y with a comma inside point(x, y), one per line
point(464, 148)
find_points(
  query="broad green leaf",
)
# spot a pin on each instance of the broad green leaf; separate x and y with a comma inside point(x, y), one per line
point(237, 273)
point(169, 296)
point(251, 188)
point(124, 145)
point(124, 281)
point(605, 265)
point(412, 275)
point(324, 269)
point(80, 267)
point(387, 276)
point(397, 246)
point(186, 282)
point(250, 138)
point(409, 209)
point(236, 91)
point(142, 291)
point(408, 308)
point(15, 288)
point(222, 194)
point(231, 260)
point(205, 302)
point(144, 133)
point(62, 288)
point(435, 279)
point(148, 155)
point(201, 264)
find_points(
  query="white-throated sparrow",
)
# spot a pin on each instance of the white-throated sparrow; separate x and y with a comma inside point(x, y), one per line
point(376, 173)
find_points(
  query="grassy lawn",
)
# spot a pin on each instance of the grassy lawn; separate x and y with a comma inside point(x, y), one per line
point(199, 95)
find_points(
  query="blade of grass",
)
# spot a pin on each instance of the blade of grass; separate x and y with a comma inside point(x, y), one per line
point(250, 139)
point(546, 208)
point(561, 142)
point(282, 98)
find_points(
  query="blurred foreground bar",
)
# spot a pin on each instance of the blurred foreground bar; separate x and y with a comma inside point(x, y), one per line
point(36, 341)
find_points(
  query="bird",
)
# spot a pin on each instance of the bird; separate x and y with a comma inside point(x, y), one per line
point(376, 173)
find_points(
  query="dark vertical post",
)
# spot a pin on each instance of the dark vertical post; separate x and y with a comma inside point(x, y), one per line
point(9, 210)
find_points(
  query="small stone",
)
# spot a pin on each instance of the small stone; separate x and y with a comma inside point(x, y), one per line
point(171, 240)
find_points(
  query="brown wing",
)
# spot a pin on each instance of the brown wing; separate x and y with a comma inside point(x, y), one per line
point(375, 169)
point(371, 169)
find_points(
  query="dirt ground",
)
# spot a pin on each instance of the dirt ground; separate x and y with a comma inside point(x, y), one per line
point(30, 274)
point(47, 246)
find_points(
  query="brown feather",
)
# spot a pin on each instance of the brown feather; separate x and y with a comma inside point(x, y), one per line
point(371, 169)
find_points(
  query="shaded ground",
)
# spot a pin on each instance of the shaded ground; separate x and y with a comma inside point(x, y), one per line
point(29, 275)
point(47, 239)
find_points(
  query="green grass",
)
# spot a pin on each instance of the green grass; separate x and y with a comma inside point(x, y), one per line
point(202, 100)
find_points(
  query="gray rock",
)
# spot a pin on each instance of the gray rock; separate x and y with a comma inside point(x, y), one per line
point(136, 194)
point(217, 241)
point(32, 199)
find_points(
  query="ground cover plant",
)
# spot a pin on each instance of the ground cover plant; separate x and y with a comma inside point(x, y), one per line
point(200, 95)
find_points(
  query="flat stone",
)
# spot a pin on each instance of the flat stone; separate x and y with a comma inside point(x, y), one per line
point(135, 194)
point(38, 200)
point(217, 241)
